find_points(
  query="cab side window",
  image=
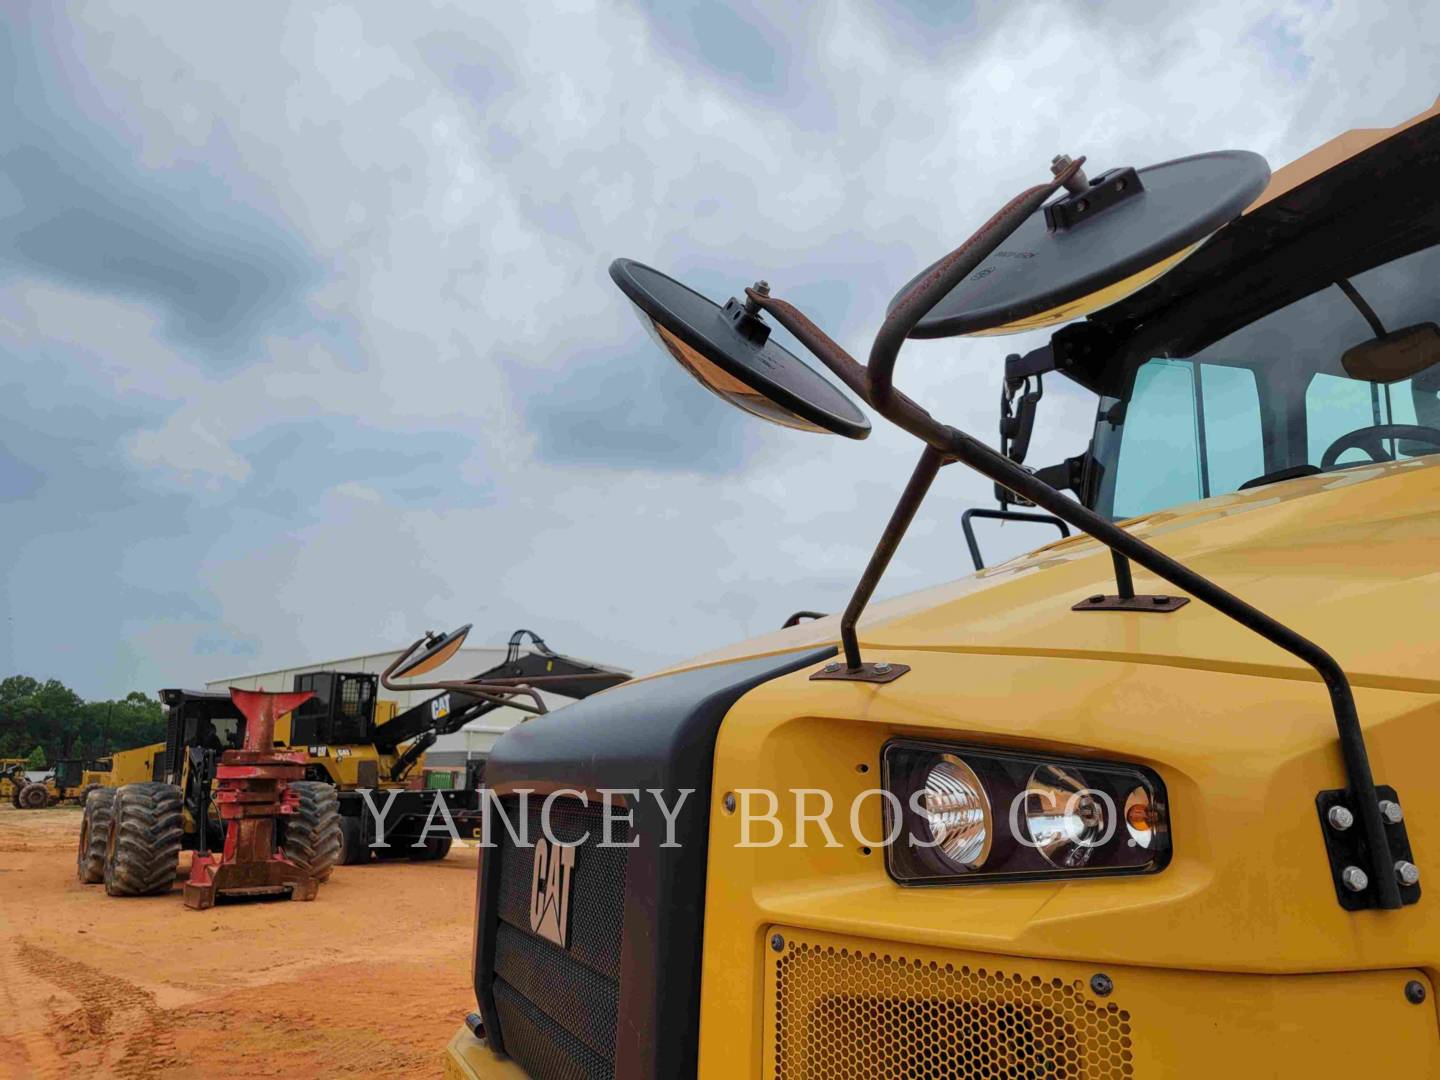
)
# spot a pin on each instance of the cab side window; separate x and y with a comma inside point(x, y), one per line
point(1159, 461)
point(1191, 430)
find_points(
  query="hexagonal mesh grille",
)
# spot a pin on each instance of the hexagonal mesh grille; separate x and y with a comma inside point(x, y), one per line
point(842, 1013)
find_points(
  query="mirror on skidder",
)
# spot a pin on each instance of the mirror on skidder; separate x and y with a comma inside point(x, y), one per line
point(1095, 243)
point(436, 650)
point(730, 352)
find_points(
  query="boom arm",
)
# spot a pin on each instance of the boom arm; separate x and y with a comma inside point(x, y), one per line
point(448, 711)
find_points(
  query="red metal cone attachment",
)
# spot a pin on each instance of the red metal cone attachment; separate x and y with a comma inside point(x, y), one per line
point(261, 709)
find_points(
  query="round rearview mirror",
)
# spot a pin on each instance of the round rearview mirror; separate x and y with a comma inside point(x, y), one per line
point(730, 352)
point(436, 650)
point(1096, 244)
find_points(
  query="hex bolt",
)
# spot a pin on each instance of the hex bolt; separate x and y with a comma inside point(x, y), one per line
point(1391, 812)
point(1097, 599)
point(1407, 873)
point(832, 667)
point(1340, 818)
point(1355, 879)
point(1077, 183)
point(1159, 599)
point(761, 288)
point(1102, 984)
point(729, 802)
point(777, 943)
point(882, 669)
point(1415, 992)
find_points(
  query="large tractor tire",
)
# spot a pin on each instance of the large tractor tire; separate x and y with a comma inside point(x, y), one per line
point(94, 836)
point(352, 843)
point(33, 797)
point(311, 835)
point(435, 849)
point(143, 851)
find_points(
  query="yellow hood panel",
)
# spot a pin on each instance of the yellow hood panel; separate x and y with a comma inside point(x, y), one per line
point(1350, 559)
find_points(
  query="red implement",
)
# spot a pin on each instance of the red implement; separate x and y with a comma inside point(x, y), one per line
point(252, 792)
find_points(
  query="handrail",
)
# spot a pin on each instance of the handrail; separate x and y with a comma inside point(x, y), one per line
point(1001, 515)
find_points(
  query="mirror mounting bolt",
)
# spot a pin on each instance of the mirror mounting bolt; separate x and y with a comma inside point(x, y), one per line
point(1077, 183)
point(761, 287)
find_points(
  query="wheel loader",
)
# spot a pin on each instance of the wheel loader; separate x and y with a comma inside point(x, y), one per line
point(1156, 799)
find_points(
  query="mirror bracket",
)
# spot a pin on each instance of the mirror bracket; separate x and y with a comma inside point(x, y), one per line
point(1019, 398)
point(1039, 361)
point(875, 384)
point(747, 323)
point(866, 673)
point(1105, 191)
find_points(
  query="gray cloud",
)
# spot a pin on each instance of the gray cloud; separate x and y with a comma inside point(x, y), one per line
point(628, 411)
point(18, 480)
point(84, 212)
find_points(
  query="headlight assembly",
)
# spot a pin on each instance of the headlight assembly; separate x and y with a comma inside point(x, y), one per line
point(971, 814)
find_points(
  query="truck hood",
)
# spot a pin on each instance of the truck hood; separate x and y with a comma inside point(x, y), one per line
point(1349, 559)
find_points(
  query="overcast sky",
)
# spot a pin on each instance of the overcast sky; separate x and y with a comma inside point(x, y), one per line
point(307, 342)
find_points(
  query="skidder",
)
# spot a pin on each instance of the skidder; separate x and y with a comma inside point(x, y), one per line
point(275, 832)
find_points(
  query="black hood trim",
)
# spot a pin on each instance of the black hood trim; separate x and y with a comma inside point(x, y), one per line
point(657, 733)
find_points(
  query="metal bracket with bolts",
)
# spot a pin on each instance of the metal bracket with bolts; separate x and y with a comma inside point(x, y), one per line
point(1357, 883)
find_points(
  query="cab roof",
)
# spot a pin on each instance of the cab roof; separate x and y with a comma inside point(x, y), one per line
point(1318, 218)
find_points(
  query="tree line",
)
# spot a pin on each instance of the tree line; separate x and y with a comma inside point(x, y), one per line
point(46, 722)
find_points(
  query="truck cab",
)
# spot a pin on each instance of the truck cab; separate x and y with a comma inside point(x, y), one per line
point(1069, 838)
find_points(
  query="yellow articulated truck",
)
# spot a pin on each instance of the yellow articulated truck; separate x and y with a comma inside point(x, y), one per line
point(1155, 800)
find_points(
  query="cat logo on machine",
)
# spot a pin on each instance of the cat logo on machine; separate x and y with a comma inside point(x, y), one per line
point(550, 891)
point(440, 707)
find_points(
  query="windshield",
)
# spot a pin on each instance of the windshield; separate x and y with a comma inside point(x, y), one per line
point(1272, 400)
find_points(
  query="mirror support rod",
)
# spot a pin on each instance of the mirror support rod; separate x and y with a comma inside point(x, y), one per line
point(910, 500)
point(1124, 583)
point(873, 382)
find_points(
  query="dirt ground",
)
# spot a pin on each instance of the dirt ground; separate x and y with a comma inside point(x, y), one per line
point(371, 979)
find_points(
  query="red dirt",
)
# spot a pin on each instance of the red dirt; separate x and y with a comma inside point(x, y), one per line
point(371, 979)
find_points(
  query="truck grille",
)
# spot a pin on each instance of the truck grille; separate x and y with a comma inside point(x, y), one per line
point(556, 1006)
point(842, 1008)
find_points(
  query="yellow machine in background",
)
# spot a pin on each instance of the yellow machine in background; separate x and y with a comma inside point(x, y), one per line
point(337, 731)
point(8, 783)
point(128, 766)
point(71, 779)
point(360, 745)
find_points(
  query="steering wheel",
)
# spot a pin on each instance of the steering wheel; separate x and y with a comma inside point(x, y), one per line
point(1370, 439)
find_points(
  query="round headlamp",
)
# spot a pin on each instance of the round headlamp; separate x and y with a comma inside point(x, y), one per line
point(956, 811)
point(1066, 818)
